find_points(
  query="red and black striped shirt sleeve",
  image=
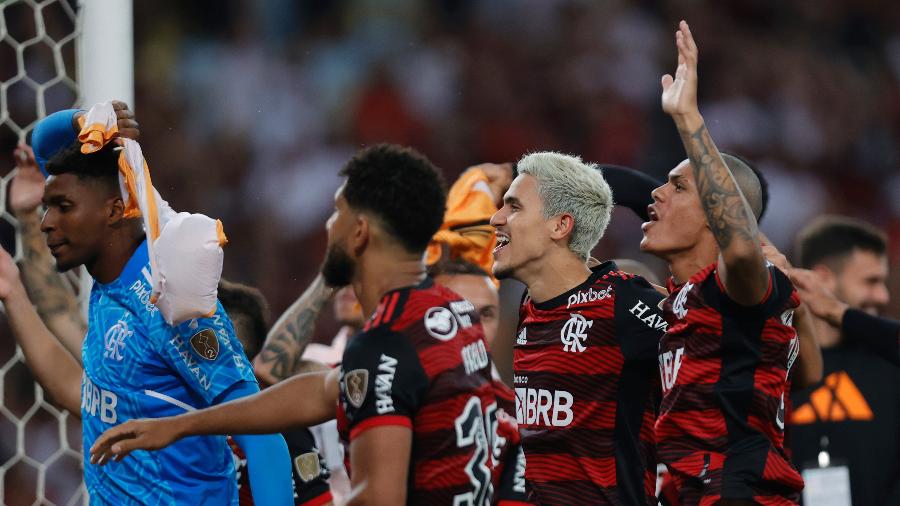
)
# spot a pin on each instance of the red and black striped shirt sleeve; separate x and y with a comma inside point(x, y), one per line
point(382, 381)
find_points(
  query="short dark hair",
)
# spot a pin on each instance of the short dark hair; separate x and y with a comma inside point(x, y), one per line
point(830, 239)
point(248, 301)
point(102, 165)
point(763, 182)
point(751, 182)
point(455, 267)
point(402, 188)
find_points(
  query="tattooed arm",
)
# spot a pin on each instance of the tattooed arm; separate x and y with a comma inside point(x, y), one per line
point(55, 300)
point(56, 303)
point(741, 264)
point(280, 357)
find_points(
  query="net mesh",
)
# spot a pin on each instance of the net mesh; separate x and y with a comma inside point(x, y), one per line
point(40, 446)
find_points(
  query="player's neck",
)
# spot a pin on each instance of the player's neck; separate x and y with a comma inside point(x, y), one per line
point(378, 274)
point(684, 264)
point(116, 253)
point(827, 335)
point(554, 276)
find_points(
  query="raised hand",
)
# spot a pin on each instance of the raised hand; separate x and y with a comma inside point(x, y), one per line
point(741, 264)
point(776, 257)
point(499, 178)
point(27, 186)
point(144, 434)
point(128, 126)
point(817, 297)
point(679, 96)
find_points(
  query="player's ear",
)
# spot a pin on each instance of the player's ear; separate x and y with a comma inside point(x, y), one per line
point(116, 210)
point(361, 234)
point(562, 226)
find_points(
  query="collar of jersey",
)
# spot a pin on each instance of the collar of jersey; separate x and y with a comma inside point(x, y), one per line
point(423, 285)
point(697, 277)
point(133, 268)
point(560, 300)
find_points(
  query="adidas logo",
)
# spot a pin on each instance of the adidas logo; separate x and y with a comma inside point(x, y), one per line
point(835, 401)
point(522, 339)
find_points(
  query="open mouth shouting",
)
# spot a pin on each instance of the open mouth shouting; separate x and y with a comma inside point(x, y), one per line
point(502, 242)
point(653, 215)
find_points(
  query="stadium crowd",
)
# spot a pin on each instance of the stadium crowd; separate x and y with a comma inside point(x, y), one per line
point(808, 93)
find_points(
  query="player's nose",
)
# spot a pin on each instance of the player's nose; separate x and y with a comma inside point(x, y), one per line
point(499, 218)
point(48, 221)
point(657, 193)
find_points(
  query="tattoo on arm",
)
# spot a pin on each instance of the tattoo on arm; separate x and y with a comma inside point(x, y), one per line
point(56, 302)
point(726, 209)
point(289, 336)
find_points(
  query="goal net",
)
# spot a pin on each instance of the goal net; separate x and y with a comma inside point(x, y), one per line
point(40, 446)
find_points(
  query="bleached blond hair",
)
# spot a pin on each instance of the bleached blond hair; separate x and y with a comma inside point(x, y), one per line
point(568, 185)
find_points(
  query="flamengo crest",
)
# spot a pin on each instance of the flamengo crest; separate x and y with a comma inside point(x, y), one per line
point(680, 299)
point(574, 333)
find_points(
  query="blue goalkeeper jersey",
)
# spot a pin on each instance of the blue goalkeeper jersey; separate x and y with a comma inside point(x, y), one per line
point(137, 366)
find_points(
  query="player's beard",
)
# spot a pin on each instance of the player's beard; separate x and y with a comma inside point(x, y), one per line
point(339, 268)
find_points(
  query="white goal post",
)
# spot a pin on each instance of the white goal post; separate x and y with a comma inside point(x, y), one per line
point(54, 54)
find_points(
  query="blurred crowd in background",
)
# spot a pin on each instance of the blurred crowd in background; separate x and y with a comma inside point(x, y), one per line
point(248, 109)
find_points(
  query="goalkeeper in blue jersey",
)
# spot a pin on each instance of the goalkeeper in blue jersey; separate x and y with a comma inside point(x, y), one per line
point(134, 364)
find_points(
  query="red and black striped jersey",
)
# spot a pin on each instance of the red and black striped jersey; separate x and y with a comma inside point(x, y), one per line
point(509, 458)
point(587, 390)
point(422, 362)
point(724, 370)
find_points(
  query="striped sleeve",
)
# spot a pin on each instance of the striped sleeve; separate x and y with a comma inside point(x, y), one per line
point(382, 381)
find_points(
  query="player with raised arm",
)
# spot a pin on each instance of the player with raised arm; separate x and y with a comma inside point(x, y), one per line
point(46, 287)
point(414, 388)
point(135, 365)
point(586, 380)
point(634, 190)
point(726, 355)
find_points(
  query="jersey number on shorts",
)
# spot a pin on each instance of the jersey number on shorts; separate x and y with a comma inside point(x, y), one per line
point(473, 427)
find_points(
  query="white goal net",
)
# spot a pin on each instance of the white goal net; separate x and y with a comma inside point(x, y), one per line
point(40, 446)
